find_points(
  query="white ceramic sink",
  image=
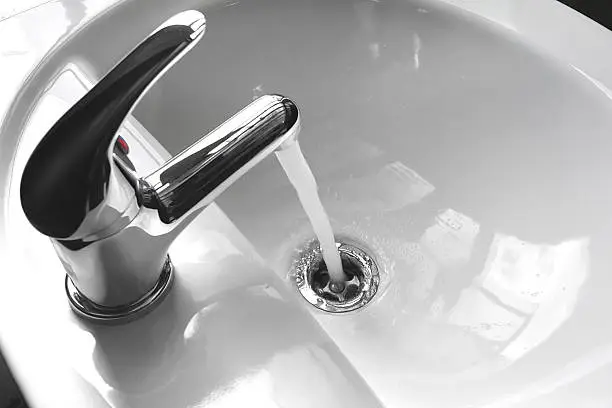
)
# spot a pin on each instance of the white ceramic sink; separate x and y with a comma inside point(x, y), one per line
point(466, 144)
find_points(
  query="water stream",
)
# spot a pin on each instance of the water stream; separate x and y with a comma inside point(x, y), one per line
point(303, 181)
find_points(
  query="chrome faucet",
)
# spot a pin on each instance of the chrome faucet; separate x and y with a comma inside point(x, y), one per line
point(111, 228)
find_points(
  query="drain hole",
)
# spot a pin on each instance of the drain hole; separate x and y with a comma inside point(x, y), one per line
point(337, 291)
point(315, 285)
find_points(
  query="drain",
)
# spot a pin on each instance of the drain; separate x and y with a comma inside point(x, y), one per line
point(313, 281)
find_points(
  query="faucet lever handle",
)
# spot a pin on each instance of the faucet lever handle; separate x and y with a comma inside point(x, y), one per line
point(68, 174)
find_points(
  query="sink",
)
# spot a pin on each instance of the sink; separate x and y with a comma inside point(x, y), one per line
point(464, 144)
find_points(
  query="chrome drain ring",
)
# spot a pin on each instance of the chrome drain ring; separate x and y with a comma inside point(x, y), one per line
point(312, 279)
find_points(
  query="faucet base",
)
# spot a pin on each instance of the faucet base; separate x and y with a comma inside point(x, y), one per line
point(89, 310)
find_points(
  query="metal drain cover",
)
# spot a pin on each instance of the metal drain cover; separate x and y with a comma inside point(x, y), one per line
point(314, 284)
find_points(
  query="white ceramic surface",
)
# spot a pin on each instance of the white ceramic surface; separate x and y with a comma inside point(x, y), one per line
point(466, 144)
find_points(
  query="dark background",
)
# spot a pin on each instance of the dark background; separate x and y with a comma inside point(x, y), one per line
point(598, 10)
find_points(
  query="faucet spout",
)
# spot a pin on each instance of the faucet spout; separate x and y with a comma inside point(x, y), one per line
point(196, 176)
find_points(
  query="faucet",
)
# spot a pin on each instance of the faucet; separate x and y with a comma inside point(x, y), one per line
point(111, 228)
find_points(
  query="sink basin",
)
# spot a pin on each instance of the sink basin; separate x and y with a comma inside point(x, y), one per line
point(465, 145)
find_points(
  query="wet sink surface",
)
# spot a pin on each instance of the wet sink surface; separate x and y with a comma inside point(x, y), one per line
point(471, 163)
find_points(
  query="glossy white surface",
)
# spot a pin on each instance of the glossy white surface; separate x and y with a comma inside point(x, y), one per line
point(472, 155)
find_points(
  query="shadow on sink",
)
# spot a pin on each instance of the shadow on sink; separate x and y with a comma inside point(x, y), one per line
point(10, 395)
point(242, 341)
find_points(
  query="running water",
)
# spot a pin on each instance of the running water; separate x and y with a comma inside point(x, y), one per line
point(300, 175)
